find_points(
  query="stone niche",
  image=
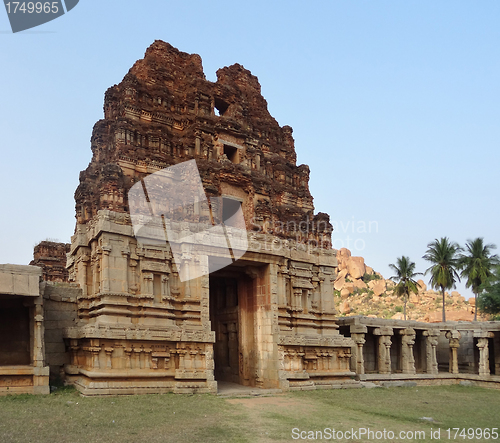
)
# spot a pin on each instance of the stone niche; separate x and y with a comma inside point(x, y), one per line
point(22, 353)
point(268, 319)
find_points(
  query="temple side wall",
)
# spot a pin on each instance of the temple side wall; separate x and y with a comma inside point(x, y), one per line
point(60, 307)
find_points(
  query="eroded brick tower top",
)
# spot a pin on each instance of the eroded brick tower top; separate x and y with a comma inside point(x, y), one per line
point(165, 112)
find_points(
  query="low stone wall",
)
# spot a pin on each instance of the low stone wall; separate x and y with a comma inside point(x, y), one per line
point(61, 312)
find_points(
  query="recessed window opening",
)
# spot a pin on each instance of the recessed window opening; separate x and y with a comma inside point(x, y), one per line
point(230, 208)
point(231, 153)
point(157, 288)
point(220, 107)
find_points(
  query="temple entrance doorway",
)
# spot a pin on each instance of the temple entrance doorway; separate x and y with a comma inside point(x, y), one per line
point(15, 338)
point(232, 311)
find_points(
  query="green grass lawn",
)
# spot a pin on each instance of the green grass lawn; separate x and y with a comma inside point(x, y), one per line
point(65, 416)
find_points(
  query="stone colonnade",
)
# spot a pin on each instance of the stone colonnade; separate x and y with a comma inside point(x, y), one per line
point(393, 346)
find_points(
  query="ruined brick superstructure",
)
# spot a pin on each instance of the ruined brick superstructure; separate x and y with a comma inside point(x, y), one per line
point(267, 320)
point(51, 257)
point(165, 112)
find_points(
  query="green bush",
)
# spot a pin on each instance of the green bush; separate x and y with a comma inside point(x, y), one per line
point(359, 291)
point(399, 309)
point(369, 277)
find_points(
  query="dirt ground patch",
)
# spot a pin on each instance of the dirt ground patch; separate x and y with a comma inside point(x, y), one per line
point(258, 402)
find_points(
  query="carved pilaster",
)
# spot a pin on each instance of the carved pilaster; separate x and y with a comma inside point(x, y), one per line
point(109, 353)
point(384, 349)
point(126, 257)
point(38, 337)
point(431, 350)
point(106, 284)
point(454, 339)
point(407, 357)
point(359, 340)
point(482, 344)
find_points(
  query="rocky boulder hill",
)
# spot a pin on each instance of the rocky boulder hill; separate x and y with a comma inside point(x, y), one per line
point(359, 290)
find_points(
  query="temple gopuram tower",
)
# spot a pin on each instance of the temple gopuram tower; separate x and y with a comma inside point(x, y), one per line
point(267, 319)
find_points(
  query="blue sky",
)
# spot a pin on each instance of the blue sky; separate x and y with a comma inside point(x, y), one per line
point(394, 105)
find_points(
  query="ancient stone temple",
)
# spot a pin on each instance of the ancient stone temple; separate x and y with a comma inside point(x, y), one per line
point(265, 320)
point(197, 259)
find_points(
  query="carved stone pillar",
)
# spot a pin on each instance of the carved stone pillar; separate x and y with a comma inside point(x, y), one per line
point(358, 335)
point(74, 348)
point(128, 357)
point(283, 276)
point(106, 287)
point(147, 284)
point(126, 257)
point(133, 288)
point(95, 350)
point(384, 349)
point(109, 353)
point(407, 357)
point(197, 144)
point(359, 340)
point(165, 290)
point(85, 262)
point(482, 344)
point(147, 356)
point(96, 273)
point(297, 299)
point(454, 339)
point(137, 357)
point(484, 364)
point(38, 337)
point(431, 350)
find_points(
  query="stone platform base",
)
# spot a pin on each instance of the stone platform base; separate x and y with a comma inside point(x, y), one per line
point(338, 384)
point(444, 379)
point(134, 382)
point(24, 379)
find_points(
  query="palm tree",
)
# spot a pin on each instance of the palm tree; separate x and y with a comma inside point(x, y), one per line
point(489, 297)
point(443, 256)
point(477, 265)
point(405, 273)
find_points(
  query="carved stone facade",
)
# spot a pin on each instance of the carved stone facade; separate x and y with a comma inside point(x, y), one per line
point(267, 320)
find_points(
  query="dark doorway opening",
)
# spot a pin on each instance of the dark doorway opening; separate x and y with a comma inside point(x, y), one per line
point(396, 348)
point(15, 339)
point(492, 359)
point(232, 314)
point(225, 324)
point(420, 352)
point(370, 353)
